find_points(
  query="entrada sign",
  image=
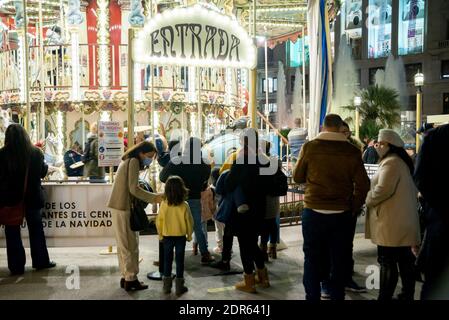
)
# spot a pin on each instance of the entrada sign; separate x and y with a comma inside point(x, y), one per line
point(194, 36)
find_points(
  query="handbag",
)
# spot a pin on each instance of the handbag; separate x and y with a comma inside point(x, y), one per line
point(138, 217)
point(13, 215)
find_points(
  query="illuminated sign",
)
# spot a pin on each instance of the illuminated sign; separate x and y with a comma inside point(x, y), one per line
point(194, 36)
point(411, 26)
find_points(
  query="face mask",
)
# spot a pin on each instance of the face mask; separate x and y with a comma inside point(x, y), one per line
point(147, 161)
point(381, 150)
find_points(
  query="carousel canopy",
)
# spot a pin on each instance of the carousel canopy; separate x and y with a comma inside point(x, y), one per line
point(51, 10)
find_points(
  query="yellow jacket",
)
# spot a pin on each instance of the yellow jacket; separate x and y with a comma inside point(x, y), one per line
point(174, 221)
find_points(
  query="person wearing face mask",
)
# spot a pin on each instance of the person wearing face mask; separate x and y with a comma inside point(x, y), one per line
point(392, 221)
point(127, 183)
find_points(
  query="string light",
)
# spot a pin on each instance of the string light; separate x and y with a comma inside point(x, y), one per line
point(282, 9)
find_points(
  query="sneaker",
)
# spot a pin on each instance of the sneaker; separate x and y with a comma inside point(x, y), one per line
point(224, 266)
point(281, 245)
point(325, 293)
point(218, 250)
point(354, 287)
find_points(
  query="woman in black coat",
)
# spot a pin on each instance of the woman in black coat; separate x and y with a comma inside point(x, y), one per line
point(247, 173)
point(16, 157)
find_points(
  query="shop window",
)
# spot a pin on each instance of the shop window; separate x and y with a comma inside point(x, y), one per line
point(411, 70)
point(272, 85)
point(445, 69)
point(446, 103)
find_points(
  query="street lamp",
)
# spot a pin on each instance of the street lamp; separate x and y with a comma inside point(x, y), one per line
point(419, 82)
point(357, 103)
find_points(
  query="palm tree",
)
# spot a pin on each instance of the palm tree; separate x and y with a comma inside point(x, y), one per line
point(380, 108)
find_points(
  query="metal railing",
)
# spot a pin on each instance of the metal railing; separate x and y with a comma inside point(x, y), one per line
point(443, 44)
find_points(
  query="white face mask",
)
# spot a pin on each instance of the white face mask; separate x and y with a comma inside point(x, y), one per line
point(382, 150)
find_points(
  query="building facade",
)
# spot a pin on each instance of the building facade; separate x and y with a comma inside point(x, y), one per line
point(417, 31)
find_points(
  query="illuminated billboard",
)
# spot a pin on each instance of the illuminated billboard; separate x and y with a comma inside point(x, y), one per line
point(379, 28)
point(294, 51)
point(411, 26)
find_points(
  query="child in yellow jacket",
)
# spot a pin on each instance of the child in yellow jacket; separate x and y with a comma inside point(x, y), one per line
point(174, 225)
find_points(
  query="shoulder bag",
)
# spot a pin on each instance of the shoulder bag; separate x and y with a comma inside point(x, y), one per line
point(138, 218)
point(13, 215)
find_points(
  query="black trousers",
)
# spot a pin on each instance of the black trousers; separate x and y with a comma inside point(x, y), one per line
point(433, 260)
point(250, 252)
point(38, 245)
point(326, 243)
point(228, 239)
point(390, 258)
point(269, 231)
point(350, 260)
point(179, 245)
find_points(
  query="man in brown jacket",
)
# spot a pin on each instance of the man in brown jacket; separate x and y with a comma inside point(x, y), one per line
point(336, 188)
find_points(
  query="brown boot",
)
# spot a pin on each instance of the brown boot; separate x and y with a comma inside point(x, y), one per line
point(207, 258)
point(195, 248)
point(248, 284)
point(262, 278)
point(272, 252)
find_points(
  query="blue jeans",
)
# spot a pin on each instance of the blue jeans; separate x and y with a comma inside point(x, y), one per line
point(195, 208)
point(326, 238)
point(38, 245)
point(204, 227)
point(276, 239)
point(179, 245)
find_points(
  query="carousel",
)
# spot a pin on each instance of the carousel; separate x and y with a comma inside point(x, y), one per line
point(67, 67)
point(175, 68)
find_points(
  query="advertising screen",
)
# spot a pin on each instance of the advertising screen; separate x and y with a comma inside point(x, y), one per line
point(379, 28)
point(411, 26)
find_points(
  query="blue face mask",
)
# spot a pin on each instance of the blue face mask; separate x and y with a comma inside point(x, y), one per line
point(147, 162)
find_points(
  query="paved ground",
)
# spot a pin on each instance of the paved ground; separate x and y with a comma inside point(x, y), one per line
point(99, 276)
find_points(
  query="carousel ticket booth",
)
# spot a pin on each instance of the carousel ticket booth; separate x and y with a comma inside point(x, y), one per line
point(67, 65)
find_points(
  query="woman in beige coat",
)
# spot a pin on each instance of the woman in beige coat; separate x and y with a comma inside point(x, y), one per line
point(392, 221)
point(126, 183)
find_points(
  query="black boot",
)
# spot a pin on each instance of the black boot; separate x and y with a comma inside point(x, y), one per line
point(388, 281)
point(180, 287)
point(407, 272)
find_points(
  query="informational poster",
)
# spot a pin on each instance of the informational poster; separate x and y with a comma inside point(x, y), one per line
point(411, 26)
point(379, 28)
point(110, 143)
point(75, 215)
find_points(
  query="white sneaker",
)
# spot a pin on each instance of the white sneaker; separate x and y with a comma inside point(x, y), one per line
point(281, 245)
point(218, 250)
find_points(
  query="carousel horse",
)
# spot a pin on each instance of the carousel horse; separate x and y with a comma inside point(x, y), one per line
point(55, 167)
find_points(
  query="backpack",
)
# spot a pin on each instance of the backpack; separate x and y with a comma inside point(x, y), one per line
point(279, 184)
